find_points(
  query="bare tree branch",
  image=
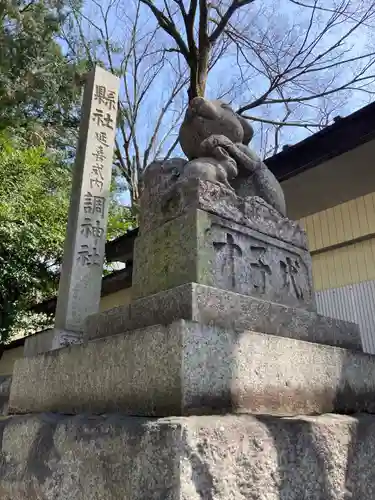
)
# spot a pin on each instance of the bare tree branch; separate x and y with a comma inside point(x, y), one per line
point(168, 26)
point(349, 16)
point(171, 149)
point(236, 4)
point(305, 61)
point(282, 123)
point(178, 87)
point(298, 70)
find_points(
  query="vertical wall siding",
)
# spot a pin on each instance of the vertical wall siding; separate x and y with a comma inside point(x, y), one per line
point(120, 298)
point(342, 223)
point(342, 240)
point(347, 225)
point(355, 303)
point(352, 263)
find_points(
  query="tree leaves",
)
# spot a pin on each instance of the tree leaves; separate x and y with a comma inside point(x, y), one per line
point(34, 199)
point(40, 93)
point(37, 80)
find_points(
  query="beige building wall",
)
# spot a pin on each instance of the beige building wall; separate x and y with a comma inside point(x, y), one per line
point(8, 359)
point(342, 243)
point(120, 298)
point(333, 182)
point(335, 202)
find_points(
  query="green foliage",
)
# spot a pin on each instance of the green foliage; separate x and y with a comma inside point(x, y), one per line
point(34, 199)
point(40, 91)
point(33, 207)
point(27, 322)
point(39, 85)
point(120, 220)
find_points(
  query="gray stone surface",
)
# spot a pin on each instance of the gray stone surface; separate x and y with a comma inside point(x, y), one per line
point(57, 457)
point(49, 340)
point(209, 305)
point(212, 129)
point(186, 368)
point(81, 274)
point(204, 248)
point(5, 382)
point(161, 204)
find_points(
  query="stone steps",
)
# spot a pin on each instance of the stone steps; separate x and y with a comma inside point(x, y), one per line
point(187, 368)
point(213, 306)
point(197, 458)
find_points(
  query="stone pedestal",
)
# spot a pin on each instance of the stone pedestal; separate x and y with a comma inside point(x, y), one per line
point(197, 458)
point(187, 368)
point(50, 340)
point(223, 322)
point(203, 248)
point(243, 246)
point(211, 306)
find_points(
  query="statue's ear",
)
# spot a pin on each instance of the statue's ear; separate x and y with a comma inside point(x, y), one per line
point(248, 130)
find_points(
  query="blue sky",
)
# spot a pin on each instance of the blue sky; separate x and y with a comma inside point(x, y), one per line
point(275, 17)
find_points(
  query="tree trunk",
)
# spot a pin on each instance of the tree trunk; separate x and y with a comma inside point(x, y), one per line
point(199, 73)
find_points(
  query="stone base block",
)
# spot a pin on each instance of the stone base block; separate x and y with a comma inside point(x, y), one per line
point(186, 368)
point(204, 248)
point(196, 458)
point(162, 204)
point(208, 305)
point(49, 340)
point(5, 383)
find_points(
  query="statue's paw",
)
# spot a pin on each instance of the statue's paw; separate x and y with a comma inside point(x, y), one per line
point(214, 141)
point(206, 169)
point(250, 153)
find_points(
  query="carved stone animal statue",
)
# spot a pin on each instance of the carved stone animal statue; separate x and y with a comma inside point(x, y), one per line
point(215, 139)
point(213, 129)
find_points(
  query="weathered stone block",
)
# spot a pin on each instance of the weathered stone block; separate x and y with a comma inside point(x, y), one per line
point(59, 457)
point(82, 266)
point(5, 383)
point(210, 250)
point(212, 306)
point(160, 205)
point(186, 368)
point(49, 340)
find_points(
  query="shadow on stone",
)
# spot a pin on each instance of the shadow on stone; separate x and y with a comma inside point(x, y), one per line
point(43, 448)
point(302, 460)
point(354, 394)
point(201, 475)
point(360, 470)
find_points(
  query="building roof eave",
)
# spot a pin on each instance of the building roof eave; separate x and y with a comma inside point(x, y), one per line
point(342, 136)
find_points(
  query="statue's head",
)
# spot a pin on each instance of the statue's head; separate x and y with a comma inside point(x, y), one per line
point(205, 118)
